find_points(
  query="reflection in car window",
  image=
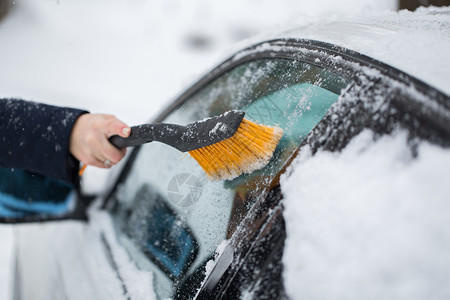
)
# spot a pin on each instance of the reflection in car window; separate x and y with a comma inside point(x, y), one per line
point(24, 194)
point(167, 208)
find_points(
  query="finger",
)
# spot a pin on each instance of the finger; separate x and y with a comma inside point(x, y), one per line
point(101, 161)
point(98, 163)
point(112, 153)
point(117, 127)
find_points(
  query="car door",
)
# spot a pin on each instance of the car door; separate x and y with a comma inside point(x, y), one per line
point(171, 219)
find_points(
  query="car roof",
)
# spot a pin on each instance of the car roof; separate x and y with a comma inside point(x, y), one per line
point(414, 42)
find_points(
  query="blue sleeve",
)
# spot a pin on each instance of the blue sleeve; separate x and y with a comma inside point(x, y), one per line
point(35, 137)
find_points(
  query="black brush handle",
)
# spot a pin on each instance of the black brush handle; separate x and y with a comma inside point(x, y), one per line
point(134, 139)
point(184, 138)
point(146, 133)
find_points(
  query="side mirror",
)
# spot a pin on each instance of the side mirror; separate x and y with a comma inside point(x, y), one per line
point(31, 197)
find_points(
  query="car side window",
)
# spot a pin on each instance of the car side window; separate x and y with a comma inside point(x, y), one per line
point(169, 216)
point(28, 196)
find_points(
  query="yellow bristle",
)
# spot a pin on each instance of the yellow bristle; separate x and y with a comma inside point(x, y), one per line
point(249, 149)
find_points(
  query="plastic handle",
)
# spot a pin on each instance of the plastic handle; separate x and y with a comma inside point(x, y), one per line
point(138, 136)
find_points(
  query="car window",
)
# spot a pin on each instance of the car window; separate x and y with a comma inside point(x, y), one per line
point(169, 216)
point(25, 195)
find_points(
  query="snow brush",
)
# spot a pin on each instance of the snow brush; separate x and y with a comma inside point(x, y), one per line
point(225, 146)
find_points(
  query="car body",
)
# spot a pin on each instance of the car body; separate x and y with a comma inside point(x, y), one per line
point(165, 231)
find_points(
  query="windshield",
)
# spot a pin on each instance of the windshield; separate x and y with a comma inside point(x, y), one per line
point(169, 216)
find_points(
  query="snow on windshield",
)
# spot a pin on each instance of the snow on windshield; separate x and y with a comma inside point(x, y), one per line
point(369, 222)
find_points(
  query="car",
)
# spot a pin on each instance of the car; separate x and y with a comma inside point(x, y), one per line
point(164, 230)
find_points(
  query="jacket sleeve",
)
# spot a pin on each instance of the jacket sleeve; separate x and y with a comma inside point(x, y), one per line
point(35, 137)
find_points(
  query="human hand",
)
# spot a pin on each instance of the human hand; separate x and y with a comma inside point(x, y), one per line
point(89, 139)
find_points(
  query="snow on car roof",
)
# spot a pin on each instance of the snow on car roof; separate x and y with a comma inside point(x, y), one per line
point(414, 42)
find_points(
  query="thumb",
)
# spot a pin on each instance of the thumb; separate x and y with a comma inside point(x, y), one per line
point(125, 132)
point(117, 127)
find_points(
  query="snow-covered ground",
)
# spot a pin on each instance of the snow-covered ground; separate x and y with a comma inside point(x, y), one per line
point(6, 248)
point(129, 58)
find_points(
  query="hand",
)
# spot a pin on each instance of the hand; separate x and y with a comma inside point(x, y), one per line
point(89, 139)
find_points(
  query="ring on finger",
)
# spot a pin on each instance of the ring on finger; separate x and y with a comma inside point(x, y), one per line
point(107, 163)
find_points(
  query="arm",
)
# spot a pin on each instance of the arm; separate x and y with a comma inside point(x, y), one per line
point(45, 139)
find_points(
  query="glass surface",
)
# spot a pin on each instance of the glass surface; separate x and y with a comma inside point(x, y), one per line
point(159, 232)
point(285, 93)
point(25, 194)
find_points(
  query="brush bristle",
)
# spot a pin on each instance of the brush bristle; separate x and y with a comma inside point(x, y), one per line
point(249, 149)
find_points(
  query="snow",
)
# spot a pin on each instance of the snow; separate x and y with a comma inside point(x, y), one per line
point(85, 264)
point(395, 38)
point(369, 222)
point(211, 263)
point(6, 249)
point(130, 58)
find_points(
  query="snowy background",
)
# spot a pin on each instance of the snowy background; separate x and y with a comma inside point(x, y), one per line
point(130, 58)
